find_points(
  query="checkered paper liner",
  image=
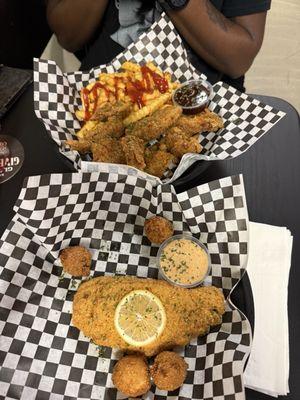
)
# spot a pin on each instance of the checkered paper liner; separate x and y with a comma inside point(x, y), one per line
point(56, 97)
point(43, 356)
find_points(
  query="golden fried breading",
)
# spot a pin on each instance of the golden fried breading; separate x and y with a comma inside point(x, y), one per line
point(82, 146)
point(168, 371)
point(189, 312)
point(76, 260)
point(178, 143)
point(131, 375)
point(134, 149)
point(156, 124)
point(113, 127)
point(158, 229)
point(206, 121)
point(108, 150)
point(157, 161)
point(107, 110)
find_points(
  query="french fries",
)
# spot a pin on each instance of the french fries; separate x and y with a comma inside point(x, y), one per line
point(148, 109)
point(144, 87)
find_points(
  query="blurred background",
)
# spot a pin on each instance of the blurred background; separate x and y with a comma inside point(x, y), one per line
point(276, 70)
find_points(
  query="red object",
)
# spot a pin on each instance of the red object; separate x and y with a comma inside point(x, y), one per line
point(134, 89)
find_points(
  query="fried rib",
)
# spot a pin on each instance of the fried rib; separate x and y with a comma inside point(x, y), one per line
point(154, 125)
point(206, 121)
point(133, 148)
point(189, 312)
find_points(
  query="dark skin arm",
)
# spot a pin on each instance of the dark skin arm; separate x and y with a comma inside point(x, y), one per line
point(228, 45)
point(75, 21)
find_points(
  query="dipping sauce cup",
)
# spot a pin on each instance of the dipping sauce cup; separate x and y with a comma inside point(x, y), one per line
point(193, 96)
point(184, 261)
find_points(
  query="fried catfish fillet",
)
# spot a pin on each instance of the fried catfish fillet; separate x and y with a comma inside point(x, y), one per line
point(82, 146)
point(113, 127)
point(108, 150)
point(156, 124)
point(206, 121)
point(134, 149)
point(157, 161)
point(189, 312)
point(120, 110)
point(178, 143)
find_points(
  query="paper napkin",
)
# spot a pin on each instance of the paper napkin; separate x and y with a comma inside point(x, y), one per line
point(269, 262)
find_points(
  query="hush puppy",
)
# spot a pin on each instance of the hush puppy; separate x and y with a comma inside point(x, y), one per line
point(131, 375)
point(158, 229)
point(168, 371)
point(76, 260)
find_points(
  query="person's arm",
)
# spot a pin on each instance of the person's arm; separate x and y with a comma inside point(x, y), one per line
point(74, 21)
point(228, 45)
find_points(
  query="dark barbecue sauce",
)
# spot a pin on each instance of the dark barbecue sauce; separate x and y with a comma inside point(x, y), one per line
point(193, 94)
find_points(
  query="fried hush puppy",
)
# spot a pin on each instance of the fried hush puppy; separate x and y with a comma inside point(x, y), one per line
point(168, 371)
point(131, 375)
point(158, 229)
point(76, 260)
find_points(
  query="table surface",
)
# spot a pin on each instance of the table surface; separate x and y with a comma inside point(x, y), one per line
point(271, 170)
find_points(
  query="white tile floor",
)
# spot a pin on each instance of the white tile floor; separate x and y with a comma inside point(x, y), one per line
point(276, 70)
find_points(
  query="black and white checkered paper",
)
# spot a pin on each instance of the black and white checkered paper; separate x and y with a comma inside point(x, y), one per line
point(43, 356)
point(56, 98)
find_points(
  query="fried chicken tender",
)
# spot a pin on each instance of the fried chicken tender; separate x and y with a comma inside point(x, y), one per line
point(76, 260)
point(82, 146)
point(131, 375)
point(168, 371)
point(156, 124)
point(189, 312)
point(134, 149)
point(108, 150)
point(206, 121)
point(158, 229)
point(107, 110)
point(178, 143)
point(157, 161)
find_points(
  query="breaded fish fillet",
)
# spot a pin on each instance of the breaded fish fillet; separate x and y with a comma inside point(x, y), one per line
point(156, 124)
point(134, 149)
point(189, 312)
point(178, 143)
point(206, 121)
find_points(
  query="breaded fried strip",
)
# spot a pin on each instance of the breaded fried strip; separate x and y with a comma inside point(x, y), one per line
point(108, 150)
point(107, 110)
point(134, 148)
point(189, 312)
point(178, 143)
point(82, 146)
point(206, 121)
point(154, 125)
point(157, 161)
point(113, 127)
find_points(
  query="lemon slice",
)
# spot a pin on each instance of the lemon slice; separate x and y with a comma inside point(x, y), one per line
point(140, 318)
